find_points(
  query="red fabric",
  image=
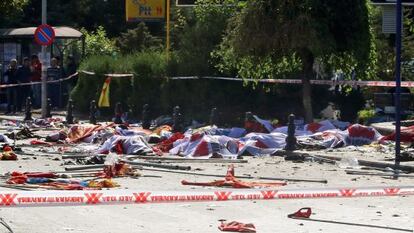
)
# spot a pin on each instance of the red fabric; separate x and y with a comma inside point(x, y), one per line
point(37, 71)
point(35, 174)
point(20, 178)
point(302, 213)
point(407, 135)
point(17, 179)
point(313, 127)
point(167, 145)
point(254, 126)
point(118, 147)
point(260, 144)
point(39, 142)
point(196, 136)
point(237, 227)
point(361, 131)
point(202, 149)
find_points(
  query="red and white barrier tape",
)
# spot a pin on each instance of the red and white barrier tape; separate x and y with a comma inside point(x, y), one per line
point(70, 198)
point(36, 83)
point(109, 75)
point(281, 81)
point(317, 82)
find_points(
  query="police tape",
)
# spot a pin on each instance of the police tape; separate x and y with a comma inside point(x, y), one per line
point(280, 81)
point(111, 197)
point(37, 83)
point(315, 82)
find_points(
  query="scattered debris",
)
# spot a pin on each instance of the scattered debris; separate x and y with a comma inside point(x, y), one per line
point(234, 226)
point(231, 181)
point(2, 222)
point(305, 213)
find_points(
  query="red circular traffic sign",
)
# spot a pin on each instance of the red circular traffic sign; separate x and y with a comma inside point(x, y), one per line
point(44, 35)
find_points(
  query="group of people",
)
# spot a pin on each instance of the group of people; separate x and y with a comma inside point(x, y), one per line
point(31, 71)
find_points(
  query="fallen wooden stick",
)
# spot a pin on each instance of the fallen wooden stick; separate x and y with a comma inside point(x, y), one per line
point(165, 166)
point(77, 156)
point(84, 167)
point(188, 160)
point(176, 160)
point(373, 163)
point(241, 177)
point(101, 166)
point(353, 224)
point(13, 186)
point(362, 173)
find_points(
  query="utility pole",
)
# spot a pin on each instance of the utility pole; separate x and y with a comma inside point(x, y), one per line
point(398, 85)
point(44, 84)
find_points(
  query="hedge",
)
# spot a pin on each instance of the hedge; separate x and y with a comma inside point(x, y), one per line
point(196, 97)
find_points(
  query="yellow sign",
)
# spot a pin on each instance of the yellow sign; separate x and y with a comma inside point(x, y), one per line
point(138, 10)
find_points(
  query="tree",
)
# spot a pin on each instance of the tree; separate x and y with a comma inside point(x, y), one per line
point(200, 33)
point(136, 40)
point(97, 43)
point(268, 32)
point(10, 11)
point(385, 44)
point(88, 14)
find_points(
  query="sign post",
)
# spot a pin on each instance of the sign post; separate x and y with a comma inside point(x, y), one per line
point(44, 36)
point(44, 84)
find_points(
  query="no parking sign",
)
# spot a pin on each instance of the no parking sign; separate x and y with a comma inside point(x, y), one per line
point(44, 35)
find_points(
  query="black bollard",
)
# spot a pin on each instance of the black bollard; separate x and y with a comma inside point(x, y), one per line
point(69, 112)
point(214, 119)
point(291, 139)
point(118, 113)
point(92, 112)
point(248, 116)
point(177, 120)
point(49, 108)
point(146, 120)
point(28, 110)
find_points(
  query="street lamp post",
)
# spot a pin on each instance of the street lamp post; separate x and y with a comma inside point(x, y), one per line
point(398, 85)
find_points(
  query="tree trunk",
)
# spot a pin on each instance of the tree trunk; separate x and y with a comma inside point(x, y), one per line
point(307, 72)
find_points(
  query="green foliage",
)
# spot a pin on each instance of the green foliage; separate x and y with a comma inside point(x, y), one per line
point(196, 97)
point(88, 14)
point(97, 43)
point(251, 67)
point(137, 40)
point(198, 33)
point(148, 68)
point(277, 30)
point(385, 44)
point(365, 114)
point(10, 11)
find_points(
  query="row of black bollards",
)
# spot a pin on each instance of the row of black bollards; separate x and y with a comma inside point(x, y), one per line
point(177, 118)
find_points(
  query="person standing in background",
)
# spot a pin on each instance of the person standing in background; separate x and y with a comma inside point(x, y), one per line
point(54, 72)
point(24, 75)
point(36, 68)
point(10, 77)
